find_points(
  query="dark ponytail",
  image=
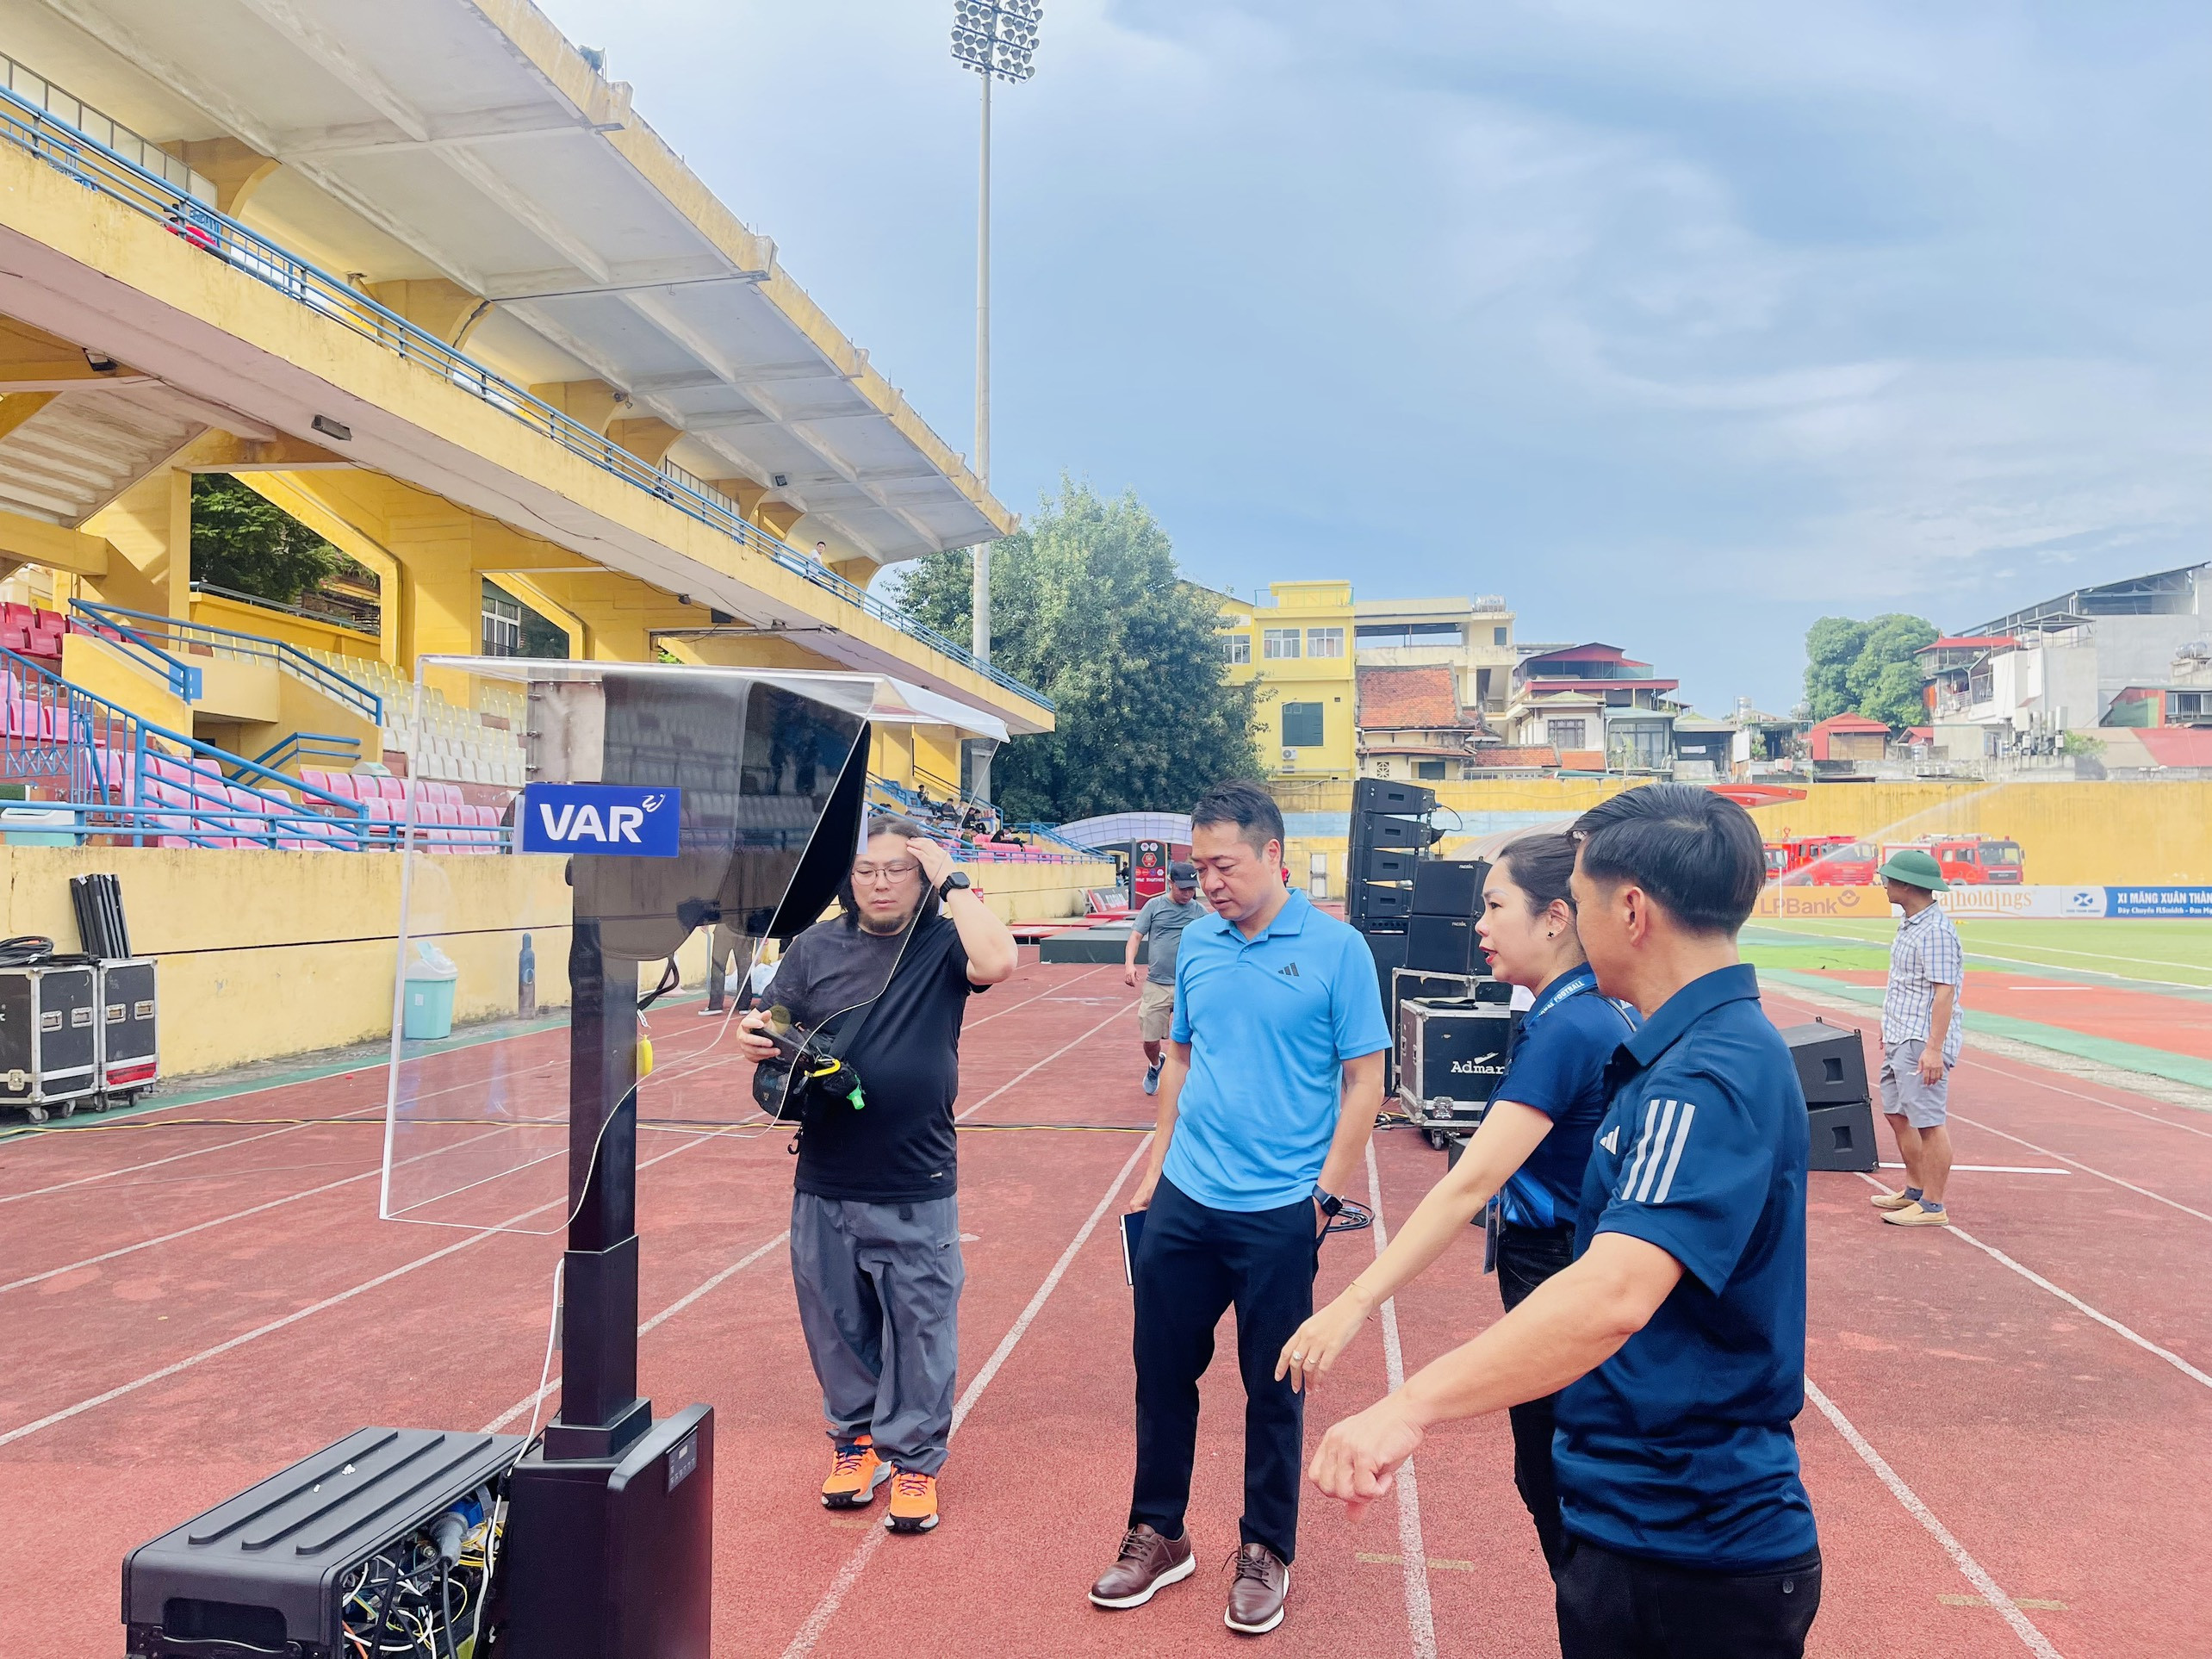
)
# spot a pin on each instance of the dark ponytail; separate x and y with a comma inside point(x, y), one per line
point(1539, 864)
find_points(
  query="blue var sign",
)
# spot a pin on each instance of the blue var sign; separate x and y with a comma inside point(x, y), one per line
point(614, 820)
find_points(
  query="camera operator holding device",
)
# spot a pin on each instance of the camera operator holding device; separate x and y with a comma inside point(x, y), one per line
point(881, 990)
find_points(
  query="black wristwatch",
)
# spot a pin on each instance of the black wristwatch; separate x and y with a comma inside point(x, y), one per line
point(1331, 1205)
point(957, 879)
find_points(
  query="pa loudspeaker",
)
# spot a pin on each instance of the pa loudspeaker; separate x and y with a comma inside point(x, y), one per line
point(1441, 944)
point(1449, 887)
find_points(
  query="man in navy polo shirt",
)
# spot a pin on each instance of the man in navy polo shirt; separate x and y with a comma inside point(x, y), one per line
point(1273, 1079)
point(1678, 1334)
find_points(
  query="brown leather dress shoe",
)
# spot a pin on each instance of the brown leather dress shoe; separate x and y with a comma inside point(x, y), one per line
point(1257, 1593)
point(1147, 1561)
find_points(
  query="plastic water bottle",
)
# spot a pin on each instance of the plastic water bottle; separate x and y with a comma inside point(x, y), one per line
point(526, 981)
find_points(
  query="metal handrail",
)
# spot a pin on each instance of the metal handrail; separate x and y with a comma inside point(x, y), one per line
point(310, 746)
point(97, 167)
point(327, 618)
point(183, 679)
point(235, 642)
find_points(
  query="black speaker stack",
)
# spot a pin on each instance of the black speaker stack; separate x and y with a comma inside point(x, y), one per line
point(1831, 1068)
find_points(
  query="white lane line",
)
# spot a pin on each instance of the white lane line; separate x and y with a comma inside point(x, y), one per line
point(220, 1221)
point(1054, 989)
point(1420, 1616)
point(23, 1431)
point(2028, 1076)
point(1974, 1573)
point(367, 1115)
point(2085, 1168)
point(1047, 1060)
point(538, 1396)
point(1993, 1169)
point(2072, 1300)
point(817, 1622)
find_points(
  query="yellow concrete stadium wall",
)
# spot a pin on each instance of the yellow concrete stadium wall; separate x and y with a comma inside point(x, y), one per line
point(2094, 834)
point(2086, 833)
point(265, 954)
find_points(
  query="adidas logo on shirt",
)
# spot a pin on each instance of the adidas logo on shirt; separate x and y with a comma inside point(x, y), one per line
point(1289, 970)
point(1610, 1140)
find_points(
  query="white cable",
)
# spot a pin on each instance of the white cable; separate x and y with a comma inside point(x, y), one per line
point(545, 1371)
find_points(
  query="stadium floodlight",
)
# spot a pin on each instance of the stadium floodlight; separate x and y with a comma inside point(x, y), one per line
point(997, 40)
point(997, 37)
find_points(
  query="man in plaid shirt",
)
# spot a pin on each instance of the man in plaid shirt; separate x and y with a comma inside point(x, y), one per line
point(1921, 1037)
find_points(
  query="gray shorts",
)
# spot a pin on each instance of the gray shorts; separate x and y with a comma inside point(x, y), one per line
point(1924, 1105)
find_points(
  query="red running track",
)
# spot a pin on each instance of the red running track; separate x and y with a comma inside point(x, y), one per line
point(2152, 1019)
point(2038, 1399)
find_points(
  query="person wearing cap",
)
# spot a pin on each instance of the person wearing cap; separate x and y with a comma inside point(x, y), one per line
point(1921, 1036)
point(1162, 921)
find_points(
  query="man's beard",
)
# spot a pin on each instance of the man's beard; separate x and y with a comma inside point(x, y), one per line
point(889, 929)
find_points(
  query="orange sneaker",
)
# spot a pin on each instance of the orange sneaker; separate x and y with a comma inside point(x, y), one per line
point(855, 1471)
point(913, 1502)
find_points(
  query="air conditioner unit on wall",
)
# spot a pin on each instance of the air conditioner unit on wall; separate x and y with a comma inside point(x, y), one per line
point(1290, 757)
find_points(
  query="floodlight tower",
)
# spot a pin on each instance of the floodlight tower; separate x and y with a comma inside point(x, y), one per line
point(996, 38)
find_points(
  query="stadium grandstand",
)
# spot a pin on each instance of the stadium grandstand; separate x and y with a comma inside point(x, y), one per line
point(423, 280)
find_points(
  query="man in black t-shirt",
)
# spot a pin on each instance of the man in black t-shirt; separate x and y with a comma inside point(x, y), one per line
point(875, 1229)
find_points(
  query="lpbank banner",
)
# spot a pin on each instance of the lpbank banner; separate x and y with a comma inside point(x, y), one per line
point(1794, 903)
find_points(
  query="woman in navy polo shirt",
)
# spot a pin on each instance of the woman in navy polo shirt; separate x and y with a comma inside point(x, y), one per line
point(1525, 1164)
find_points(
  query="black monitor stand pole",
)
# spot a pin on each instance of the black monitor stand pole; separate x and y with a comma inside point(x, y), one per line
point(610, 1541)
point(601, 1412)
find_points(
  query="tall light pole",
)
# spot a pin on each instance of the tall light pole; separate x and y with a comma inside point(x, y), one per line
point(996, 38)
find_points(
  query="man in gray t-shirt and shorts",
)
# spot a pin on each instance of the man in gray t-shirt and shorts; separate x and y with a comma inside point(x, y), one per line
point(1162, 921)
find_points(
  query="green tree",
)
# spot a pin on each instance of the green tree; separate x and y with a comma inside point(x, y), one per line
point(1087, 606)
point(243, 541)
point(1868, 668)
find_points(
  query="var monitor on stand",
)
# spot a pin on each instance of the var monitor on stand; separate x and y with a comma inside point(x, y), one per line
point(683, 799)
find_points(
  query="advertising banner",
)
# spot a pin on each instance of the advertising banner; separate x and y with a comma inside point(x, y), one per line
point(1788, 902)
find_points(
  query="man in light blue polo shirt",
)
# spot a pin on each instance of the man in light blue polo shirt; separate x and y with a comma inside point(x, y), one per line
point(1274, 1075)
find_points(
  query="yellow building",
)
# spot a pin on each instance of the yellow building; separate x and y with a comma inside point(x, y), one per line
point(456, 307)
point(1297, 647)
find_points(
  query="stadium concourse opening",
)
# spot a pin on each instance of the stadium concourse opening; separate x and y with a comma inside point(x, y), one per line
point(1994, 1409)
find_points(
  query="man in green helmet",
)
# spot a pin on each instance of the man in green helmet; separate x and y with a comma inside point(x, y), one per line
point(1921, 1037)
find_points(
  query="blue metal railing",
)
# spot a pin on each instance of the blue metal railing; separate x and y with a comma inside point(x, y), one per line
point(98, 168)
point(166, 635)
point(126, 779)
point(302, 746)
point(181, 678)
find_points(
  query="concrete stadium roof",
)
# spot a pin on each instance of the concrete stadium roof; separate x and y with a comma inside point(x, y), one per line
point(469, 140)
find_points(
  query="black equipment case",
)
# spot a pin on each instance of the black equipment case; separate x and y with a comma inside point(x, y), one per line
point(1451, 1054)
point(49, 1034)
point(130, 1049)
point(261, 1573)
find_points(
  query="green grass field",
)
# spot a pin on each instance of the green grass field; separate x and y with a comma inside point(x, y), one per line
point(2157, 953)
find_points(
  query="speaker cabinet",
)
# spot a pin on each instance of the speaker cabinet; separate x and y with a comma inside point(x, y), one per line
point(1449, 887)
point(1379, 795)
point(1843, 1138)
point(1389, 865)
point(1442, 944)
point(1831, 1063)
point(1378, 903)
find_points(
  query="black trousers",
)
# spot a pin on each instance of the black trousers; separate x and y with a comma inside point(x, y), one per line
point(1617, 1607)
point(1192, 1263)
point(1527, 1258)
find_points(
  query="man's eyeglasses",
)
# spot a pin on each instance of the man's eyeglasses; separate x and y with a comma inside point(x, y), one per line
point(898, 869)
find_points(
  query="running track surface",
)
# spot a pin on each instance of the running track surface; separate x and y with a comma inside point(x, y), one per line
point(2180, 1025)
point(2018, 1410)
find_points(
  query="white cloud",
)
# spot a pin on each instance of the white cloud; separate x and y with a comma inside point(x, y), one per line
point(1678, 324)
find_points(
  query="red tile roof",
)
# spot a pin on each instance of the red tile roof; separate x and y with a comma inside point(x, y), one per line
point(1515, 754)
point(1413, 699)
point(1849, 721)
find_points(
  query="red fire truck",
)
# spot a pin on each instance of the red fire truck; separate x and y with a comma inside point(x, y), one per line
point(1841, 862)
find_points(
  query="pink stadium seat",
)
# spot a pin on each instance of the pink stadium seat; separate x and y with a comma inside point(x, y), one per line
point(314, 777)
point(340, 783)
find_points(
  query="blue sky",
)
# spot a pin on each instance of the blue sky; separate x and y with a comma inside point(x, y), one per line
point(1678, 324)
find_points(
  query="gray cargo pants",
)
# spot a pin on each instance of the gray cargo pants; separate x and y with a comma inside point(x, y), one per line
point(878, 1298)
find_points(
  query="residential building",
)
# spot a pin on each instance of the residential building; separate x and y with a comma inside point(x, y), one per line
point(1849, 739)
point(1473, 637)
point(1704, 747)
point(1297, 646)
point(1413, 725)
point(2088, 658)
point(1601, 708)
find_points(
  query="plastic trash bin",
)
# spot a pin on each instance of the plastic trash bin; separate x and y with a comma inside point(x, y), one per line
point(428, 1008)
